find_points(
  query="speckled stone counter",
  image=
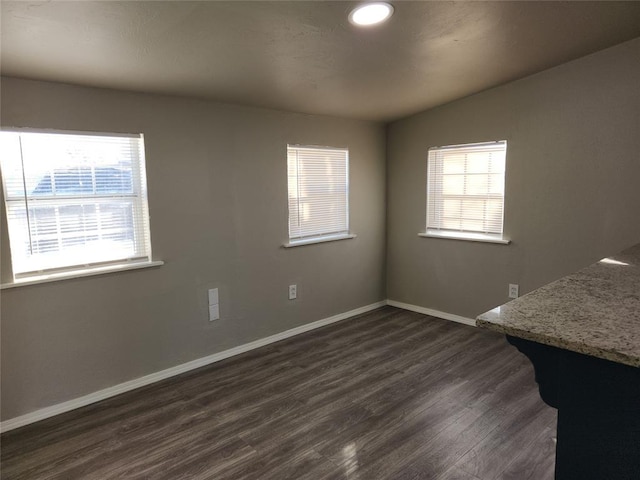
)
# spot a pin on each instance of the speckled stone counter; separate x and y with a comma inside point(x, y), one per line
point(582, 335)
point(595, 311)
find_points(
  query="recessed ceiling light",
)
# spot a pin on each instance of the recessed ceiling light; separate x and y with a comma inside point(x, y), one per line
point(370, 13)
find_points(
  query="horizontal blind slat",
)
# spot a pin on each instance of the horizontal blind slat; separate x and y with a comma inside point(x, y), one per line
point(318, 191)
point(465, 187)
point(74, 199)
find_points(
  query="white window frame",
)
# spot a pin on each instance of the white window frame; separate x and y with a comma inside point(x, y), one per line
point(492, 231)
point(74, 267)
point(319, 228)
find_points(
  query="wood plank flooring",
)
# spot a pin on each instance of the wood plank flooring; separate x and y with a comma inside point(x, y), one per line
point(389, 394)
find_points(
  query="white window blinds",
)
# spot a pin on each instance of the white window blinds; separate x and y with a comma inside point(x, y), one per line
point(465, 188)
point(318, 179)
point(74, 200)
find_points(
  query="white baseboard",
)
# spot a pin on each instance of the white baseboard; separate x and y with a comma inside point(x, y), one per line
point(433, 313)
point(109, 392)
point(63, 407)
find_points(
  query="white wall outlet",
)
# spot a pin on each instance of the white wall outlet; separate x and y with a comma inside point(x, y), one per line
point(213, 296)
point(214, 312)
point(514, 290)
point(293, 292)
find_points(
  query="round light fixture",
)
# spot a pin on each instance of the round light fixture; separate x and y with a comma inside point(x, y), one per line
point(369, 14)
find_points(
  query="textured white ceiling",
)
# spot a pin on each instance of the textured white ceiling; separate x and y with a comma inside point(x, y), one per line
point(305, 56)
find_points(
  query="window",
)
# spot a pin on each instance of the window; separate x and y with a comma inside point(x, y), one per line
point(318, 179)
point(465, 191)
point(74, 200)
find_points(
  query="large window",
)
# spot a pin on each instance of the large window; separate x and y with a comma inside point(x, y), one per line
point(318, 179)
point(465, 191)
point(74, 200)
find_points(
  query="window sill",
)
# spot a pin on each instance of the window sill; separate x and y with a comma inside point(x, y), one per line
point(85, 272)
point(312, 240)
point(470, 237)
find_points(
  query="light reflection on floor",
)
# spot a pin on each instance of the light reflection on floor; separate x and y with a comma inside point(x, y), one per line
point(350, 453)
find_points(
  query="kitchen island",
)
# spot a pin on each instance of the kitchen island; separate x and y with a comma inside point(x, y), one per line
point(582, 334)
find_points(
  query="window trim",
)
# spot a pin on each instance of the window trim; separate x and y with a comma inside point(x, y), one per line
point(88, 269)
point(442, 233)
point(330, 236)
point(80, 273)
point(56, 131)
point(323, 239)
point(468, 236)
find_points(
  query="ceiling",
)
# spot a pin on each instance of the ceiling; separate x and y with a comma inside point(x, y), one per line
point(305, 56)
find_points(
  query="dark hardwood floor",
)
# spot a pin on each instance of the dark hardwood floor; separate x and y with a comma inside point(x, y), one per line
point(390, 394)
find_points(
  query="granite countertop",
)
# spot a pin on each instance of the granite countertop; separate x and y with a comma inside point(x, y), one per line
point(595, 311)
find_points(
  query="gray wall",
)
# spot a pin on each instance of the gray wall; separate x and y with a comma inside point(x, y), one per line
point(572, 183)
point(218, 207)
point(217, 193)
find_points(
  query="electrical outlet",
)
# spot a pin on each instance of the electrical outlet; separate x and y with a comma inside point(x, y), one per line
point(514, 290)
point(293, 292)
